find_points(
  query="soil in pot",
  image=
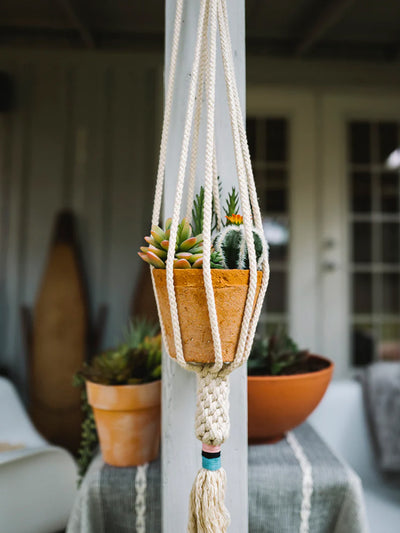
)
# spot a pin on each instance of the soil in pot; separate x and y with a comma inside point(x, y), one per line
point(230, 290)
point(128, 421)
point(278, 404)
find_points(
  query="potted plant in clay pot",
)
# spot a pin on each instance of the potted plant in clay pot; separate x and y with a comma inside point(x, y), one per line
point(123, 391)
point(284, 385)
point(229, 272)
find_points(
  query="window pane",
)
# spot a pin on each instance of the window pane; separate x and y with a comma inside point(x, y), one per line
point(362, 242)
point(276, 298)
point(251, 136)
point(276, 200)
point(276, 138)
point(361, 200)
point(276, 231)
point(389, 190)
point(360, 142)
point(363, 344)
point(374, 204)
point(278, 252)
point(388, 139)
point(390, 293)
point(389, 345)
point(362, 293)
point(390, 242)
point(276, 177)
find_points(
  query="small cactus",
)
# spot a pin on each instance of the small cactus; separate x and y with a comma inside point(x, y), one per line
point(188, 248)
point(230, 243)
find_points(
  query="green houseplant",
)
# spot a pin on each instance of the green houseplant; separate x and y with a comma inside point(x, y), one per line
point(229, 274)
point(285, 384)
point(122, 399)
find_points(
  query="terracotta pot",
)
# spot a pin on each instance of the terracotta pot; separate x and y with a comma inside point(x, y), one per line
point(128, 421)
point(277, 404)
point(230, 290)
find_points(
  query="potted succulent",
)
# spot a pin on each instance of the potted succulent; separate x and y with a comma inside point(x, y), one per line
point(284, 385)
point(123, 391)
point(230, 278)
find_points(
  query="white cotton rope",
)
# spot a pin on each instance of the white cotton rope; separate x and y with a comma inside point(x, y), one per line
point(197, 122)
point(208, 186)
point(207, 513)
point(179, 190)
point(167, 113)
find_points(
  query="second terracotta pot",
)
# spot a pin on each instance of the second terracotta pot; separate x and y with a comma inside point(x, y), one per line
point(278, 404)
point(230, 290)
point(128, 421)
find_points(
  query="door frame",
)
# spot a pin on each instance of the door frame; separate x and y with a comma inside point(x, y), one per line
point(299, 107)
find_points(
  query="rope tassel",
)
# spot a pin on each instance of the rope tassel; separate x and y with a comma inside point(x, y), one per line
point(207, 511)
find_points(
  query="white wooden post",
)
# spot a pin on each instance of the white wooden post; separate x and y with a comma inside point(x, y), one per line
point(181, 451)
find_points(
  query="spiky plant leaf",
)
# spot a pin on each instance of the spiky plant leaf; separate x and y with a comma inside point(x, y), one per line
point(137, 330)
point(198, 211)
point(231, 204)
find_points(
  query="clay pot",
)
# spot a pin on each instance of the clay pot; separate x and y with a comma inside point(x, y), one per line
point(277, 404)
point(128, 421)
point(230, 290)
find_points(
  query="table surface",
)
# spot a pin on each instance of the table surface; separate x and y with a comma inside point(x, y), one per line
point(297, 484)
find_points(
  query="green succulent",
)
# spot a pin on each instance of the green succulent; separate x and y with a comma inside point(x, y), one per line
point(138, 330)
point(276, 355)
point(231, 245)
point(125, 365)
point(229, 249)
point(188, 248)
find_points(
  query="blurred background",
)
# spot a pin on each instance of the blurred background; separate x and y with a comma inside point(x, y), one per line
point(80, 115)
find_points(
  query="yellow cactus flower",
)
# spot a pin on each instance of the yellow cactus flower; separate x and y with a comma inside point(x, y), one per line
point(235, 219)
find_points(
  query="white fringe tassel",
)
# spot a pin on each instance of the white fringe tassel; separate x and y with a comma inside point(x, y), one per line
point(207, 511)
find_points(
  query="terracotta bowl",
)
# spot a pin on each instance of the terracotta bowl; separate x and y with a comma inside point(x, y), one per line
point(278, 404)
point(230, 291)
point(128, 421)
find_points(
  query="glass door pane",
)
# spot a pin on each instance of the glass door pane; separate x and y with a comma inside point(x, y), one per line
point(374, 229)
point(268, 141)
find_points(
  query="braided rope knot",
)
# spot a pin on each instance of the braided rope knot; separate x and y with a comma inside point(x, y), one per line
point(212, 413)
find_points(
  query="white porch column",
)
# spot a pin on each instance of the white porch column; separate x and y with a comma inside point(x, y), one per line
point(181, 450)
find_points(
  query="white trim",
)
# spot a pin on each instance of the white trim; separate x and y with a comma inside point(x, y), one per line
point(299, 107)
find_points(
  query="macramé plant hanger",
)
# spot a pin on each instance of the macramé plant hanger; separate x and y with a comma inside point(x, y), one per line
point(216, 337)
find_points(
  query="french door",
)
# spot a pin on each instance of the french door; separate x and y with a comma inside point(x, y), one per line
point(360, 221)
point(331, 205)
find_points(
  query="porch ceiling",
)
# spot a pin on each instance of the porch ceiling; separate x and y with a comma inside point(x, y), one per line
point(352, 29)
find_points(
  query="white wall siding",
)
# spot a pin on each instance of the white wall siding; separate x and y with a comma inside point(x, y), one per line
point(83, 135)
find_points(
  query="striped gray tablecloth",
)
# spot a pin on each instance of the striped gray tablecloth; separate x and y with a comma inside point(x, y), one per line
point(296, 485)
